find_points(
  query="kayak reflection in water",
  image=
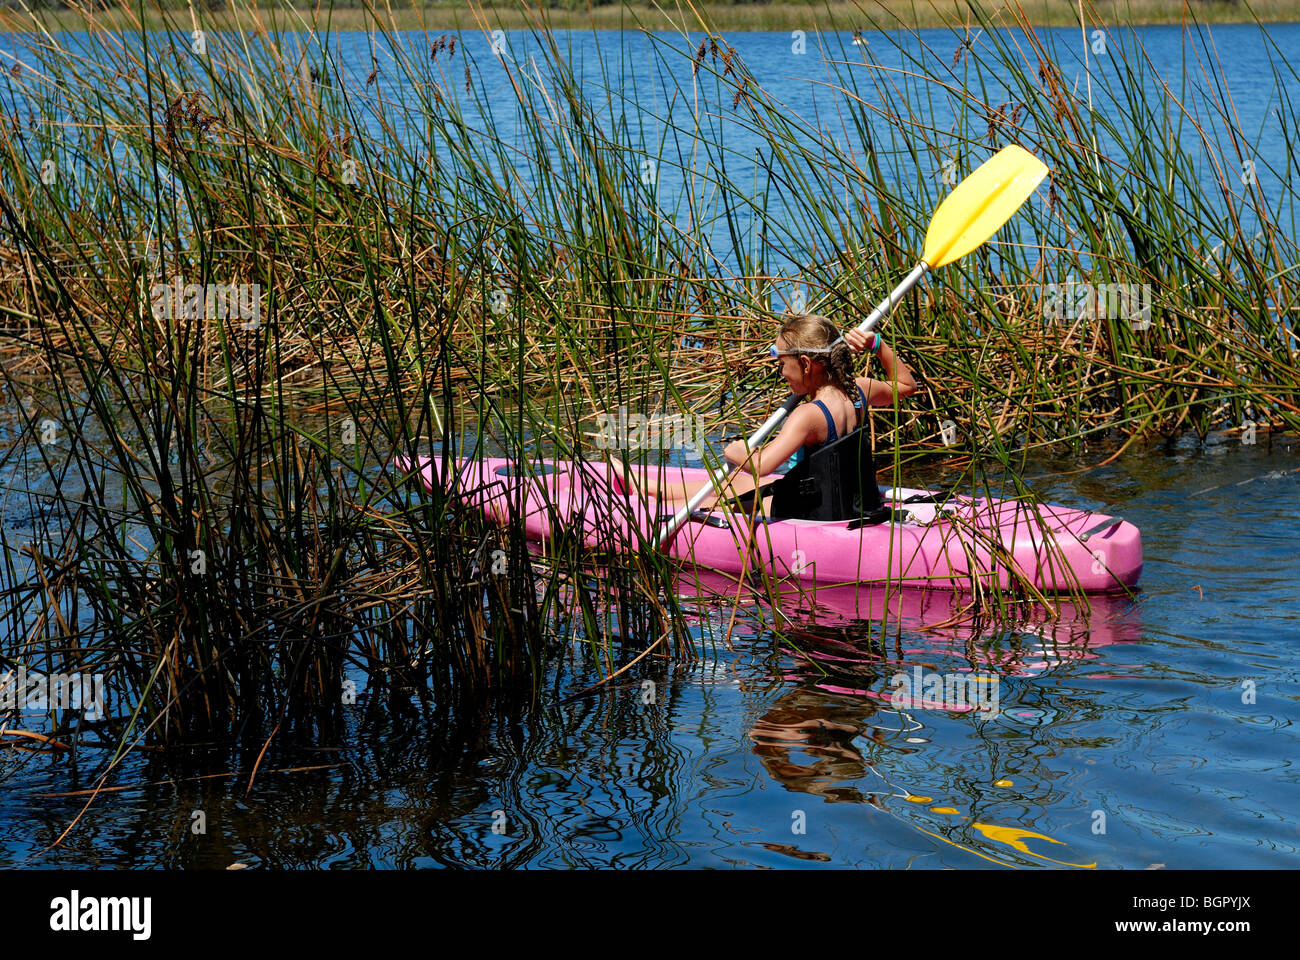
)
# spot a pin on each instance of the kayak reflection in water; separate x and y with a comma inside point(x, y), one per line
point(817, 365)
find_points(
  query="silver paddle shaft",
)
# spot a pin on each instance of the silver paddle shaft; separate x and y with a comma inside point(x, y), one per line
point(778, 416)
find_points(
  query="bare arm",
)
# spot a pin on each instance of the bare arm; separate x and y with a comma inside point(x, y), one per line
point(759, 463)
point(798, 430)
point(898, 376)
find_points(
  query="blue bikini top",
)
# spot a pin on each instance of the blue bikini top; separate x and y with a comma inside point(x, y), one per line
point(831, 433)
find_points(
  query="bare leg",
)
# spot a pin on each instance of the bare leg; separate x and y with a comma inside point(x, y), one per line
point(673, 491)
point(631, 481)
point(681, 493)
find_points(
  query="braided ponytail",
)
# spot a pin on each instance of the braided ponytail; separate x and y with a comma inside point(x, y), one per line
point(840, 368)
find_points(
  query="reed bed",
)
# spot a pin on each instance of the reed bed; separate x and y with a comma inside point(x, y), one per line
point(455, 251)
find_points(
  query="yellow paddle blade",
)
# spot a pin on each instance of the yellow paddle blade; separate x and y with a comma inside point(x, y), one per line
point(981, 203)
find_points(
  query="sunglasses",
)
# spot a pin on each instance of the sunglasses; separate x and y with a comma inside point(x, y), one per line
point(774, 353)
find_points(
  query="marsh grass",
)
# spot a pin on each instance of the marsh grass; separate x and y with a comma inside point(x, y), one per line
point(224, 533)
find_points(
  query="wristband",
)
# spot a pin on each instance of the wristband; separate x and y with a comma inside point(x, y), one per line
point(875, 347)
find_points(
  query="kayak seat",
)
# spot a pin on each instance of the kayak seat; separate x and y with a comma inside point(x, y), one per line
point(835, 482)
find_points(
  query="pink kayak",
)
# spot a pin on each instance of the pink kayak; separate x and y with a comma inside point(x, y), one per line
point(930, 540)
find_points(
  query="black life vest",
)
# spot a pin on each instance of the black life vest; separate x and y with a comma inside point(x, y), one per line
point(835, 482)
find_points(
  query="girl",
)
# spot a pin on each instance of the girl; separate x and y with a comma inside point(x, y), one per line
point(818, 368)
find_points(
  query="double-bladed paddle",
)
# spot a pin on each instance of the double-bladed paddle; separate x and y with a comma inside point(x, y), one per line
point(968, 216)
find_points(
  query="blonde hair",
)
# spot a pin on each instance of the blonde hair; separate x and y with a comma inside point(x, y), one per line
point(812, 331)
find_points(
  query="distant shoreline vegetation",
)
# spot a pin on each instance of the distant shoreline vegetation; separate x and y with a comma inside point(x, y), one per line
point(735, 15)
